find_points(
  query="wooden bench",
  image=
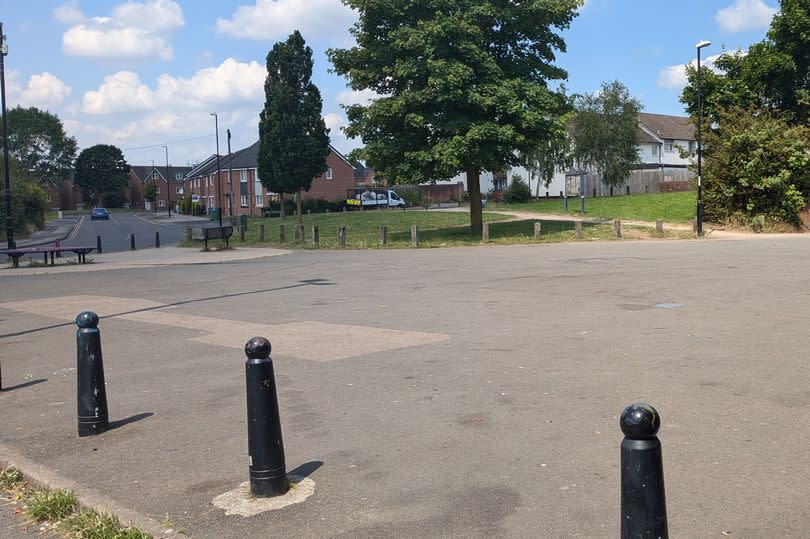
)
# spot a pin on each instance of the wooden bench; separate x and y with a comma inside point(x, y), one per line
point(15, 254)
point(217, 233)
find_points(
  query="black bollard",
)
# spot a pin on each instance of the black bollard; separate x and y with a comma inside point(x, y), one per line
point(98, 245)
point(268, 471)
point(132, 242)
point(565, 204)
point(91, 393)
point(157, 238)
point(644, 508)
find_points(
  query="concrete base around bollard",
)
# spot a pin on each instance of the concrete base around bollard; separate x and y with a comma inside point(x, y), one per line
point(240, 501)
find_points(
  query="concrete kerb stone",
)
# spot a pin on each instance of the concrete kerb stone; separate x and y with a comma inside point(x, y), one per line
point(39, 475)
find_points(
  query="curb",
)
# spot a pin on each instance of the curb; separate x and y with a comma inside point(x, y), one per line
point(70, 233)
point(39, 475)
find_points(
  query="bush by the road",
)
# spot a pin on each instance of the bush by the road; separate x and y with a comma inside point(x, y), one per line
point(518, 191)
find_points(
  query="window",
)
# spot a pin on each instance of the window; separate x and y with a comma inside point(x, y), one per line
point(155, 175)
point(328, 173)
point(243, 201)
point(668, 146)
point(161, 203)
point(243, 176)
point(178, 176)
point(47, 198)
point(178, 190)
point(157, 189)
point(259, 201)
point(655, 149)
point(210, 202)
point(692, 147)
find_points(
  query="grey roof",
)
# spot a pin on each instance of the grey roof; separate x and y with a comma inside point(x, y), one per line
point(144, 172)
point(668, 127)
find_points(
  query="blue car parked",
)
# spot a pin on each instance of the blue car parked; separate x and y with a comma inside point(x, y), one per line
point(99, 213)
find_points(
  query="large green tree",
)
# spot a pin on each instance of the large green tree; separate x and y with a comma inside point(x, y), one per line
point(604, 133)
point(773, 75)
point(552, 155)
point(463, 85)
point(38, 142)
point(101, 170)
point(293, 139)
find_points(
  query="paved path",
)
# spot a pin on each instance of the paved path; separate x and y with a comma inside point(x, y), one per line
point(470, 392)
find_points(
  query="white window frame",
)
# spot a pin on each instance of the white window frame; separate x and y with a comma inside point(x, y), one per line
point(655, 150)
point(243, 176)
point(243, 201)
point(259, 201)
point(161, 203)
point(157, 189)
point(329, 173)
point(177, 190)
point(669, 146)
point(178, 176)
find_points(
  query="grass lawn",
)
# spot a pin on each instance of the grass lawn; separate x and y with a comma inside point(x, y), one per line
point(436, 229)
point(671, 207)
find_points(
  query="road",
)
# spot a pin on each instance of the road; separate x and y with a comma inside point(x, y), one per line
point(470, 392)
point(115, 233)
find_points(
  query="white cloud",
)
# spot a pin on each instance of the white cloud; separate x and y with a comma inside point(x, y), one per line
point(674, 77)
point(357, 97)
point(231, 84)
point(134, 30)
point(44, 90)
point(745, 15)
point(276, 19)
point(334, 122)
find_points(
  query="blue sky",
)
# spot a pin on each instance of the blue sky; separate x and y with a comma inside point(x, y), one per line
point(142, 74)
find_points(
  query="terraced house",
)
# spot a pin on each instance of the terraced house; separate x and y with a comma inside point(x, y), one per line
point(239, 187)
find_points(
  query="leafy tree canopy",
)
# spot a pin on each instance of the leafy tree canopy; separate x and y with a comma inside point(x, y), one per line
point(757, 164)
point(463, 85)
point(774, 74)
point(552, 155)
point(293, 139)
point(100, 170)
point(38, 142)
point(604, 132)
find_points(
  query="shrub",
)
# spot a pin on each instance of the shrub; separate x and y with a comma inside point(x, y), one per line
point(518, 191)
point(413, 197)
point(27, 206)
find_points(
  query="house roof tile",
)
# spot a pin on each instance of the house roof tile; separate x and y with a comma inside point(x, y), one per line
point(666, 127)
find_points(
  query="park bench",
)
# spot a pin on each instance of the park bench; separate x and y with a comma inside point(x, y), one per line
point(217, 233)
point(267, 212)
point(79, 251)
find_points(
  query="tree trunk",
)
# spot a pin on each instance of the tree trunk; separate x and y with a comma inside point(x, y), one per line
point(474, 190)
point(298, 207)
point(281, 199)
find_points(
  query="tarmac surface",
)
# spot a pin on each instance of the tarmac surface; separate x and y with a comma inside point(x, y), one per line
point(471, 392)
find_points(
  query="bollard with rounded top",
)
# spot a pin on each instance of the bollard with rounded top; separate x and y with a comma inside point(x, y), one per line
point(268, 471)
point(643, 506)
point(90, 390)
point(132, 242)
point(565, 204)
point(157, 239)
point(98, 245)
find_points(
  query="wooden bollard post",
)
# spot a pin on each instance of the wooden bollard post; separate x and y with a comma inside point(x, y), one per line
point(299, 233)
point(414, 236)
point(538, 227)
point(188, 233)
point(316, 237)
point(578, 229)
point(659, 227)
point(242, 233)
point(383, 235)
point(261, 232)
point(643, 503)
point(282, 237)
point(617, 228)
point(485, 233)
point(344, 209)
point(342, 236)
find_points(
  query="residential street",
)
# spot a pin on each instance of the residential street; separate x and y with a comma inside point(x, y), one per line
point(469, 392)
point(115, 233)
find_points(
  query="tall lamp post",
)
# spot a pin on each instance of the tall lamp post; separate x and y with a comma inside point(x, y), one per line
point(219, 201)
point(9, 220)
point(168, 183)
point(701, 45)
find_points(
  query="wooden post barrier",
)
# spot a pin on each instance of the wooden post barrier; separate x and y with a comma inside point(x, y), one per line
point(617, 228)
point(538, 227)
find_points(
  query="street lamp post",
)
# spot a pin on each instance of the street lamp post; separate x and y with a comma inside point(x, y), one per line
point(9, 220)
point(219, 201)
point(699, 216)
point(168, 183)
point(230, 178)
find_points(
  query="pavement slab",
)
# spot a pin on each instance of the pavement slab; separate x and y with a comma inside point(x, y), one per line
point(505, 426)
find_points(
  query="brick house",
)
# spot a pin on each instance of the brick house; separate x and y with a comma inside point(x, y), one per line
point(169, 189)
point(240, 189)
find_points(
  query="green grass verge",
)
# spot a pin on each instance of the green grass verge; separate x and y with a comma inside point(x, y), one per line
point(436, 229)
point(59, 509)
point(671, 207)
